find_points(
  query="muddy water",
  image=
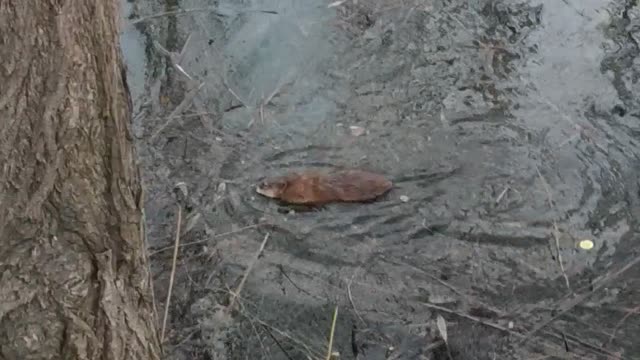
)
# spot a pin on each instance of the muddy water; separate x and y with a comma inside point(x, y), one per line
point(510, 127)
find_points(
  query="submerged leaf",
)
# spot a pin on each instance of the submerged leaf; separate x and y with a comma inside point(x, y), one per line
point(442, 327)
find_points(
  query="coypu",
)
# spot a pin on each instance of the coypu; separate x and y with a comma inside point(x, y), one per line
point(317, 188)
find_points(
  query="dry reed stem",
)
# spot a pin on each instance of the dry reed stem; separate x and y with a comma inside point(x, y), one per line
point(590, 348)
point(523, 337)
point(172, 276)
point(145, 249)
point(175, 57)
point(235, 95)
point(332, 333)
point(255, 330)
point(187, 100)
point(355, 310)
point(206, 240)
point(264, 102)
point(180, 56)
point(275, 340)
point(556, 232)
point(469, 298)
point(310, 353)
point(236, 293)
point(143, 236)
point(187, 11)
point(502, 194)
point(634, 311)
point(175, 12)
point(595, 286)
point(472, 318)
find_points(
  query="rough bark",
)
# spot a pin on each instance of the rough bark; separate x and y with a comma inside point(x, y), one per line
point(73, 273)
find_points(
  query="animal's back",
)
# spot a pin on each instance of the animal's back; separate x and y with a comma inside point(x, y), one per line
point(313, 187)
point(356, 185)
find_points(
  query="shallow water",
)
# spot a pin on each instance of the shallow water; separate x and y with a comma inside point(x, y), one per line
point(500, 122)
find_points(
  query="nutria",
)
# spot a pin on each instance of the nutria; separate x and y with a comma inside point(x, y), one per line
point(317, 188)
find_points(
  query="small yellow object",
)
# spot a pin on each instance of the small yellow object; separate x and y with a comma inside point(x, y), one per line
point(586, 244)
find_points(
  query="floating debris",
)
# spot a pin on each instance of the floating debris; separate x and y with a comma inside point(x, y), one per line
point(586, 244)
point(357, 130)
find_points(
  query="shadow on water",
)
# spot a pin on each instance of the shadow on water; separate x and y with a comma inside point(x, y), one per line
point(510, 127)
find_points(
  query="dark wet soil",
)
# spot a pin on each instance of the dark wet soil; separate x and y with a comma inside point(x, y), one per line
point(510, 130)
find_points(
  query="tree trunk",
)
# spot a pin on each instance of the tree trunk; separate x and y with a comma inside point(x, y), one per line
point(74, 278)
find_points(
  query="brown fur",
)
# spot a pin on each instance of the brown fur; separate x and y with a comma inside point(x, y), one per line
point(316, 188)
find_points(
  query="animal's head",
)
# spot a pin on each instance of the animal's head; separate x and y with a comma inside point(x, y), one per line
point(272, 188)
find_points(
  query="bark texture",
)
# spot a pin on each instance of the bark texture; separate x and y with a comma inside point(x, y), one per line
point(73, 273)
